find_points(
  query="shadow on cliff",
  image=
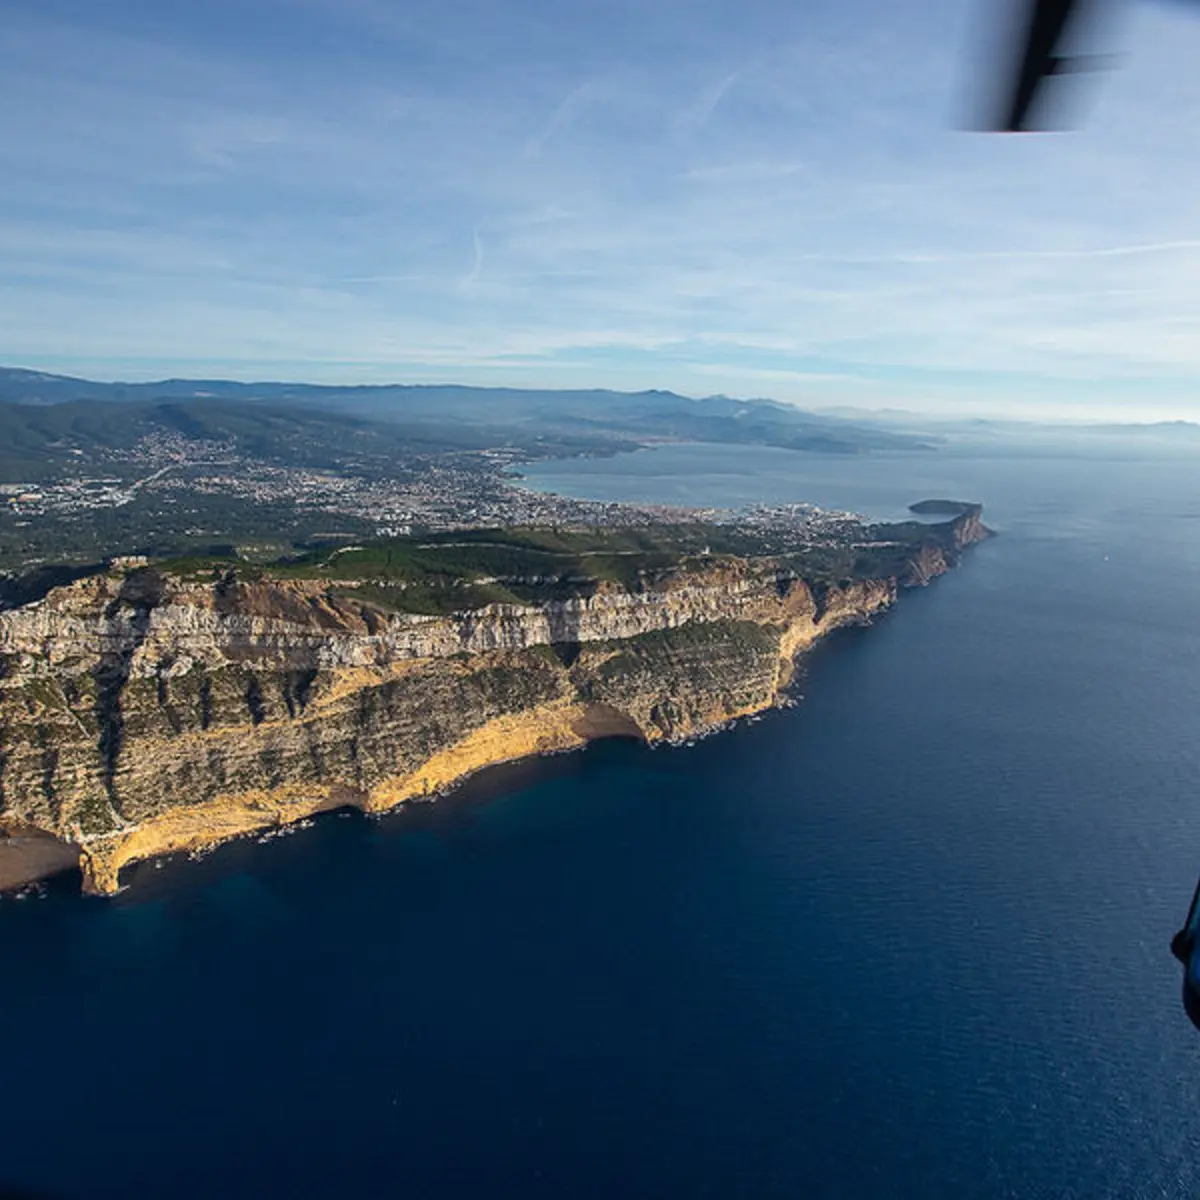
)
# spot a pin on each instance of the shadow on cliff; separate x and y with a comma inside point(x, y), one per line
point(16, 590)
point(140, 594)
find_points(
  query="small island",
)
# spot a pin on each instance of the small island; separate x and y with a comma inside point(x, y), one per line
point(940, 508)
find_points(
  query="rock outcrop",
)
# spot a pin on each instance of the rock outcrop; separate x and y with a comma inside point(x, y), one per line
point(142, 714)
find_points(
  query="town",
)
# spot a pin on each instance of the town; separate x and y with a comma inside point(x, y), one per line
point(194, 488)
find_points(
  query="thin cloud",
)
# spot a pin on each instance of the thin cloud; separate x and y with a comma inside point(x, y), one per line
point(698, 114)
point(561, 118)
point(477, 265)
point(933, 257)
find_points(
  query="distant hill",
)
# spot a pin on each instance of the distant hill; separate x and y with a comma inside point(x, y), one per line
point(1185, 429)
point(473, 416)
point(39, 441)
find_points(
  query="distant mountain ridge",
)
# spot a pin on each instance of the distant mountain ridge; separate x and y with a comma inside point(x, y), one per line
point(513, 415)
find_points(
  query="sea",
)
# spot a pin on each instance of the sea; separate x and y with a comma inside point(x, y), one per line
point(908, 938)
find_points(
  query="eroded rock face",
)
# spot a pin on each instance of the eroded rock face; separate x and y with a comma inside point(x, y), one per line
point(141, 714)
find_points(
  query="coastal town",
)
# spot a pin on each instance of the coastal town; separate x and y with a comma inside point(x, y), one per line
point(179, 481)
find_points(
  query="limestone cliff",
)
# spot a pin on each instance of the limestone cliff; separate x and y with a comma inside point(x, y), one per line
point(142, 713)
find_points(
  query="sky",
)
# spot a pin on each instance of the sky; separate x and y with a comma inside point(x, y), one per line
point(747, 197)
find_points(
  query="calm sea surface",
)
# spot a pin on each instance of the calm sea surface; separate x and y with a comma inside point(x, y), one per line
point(908, 939)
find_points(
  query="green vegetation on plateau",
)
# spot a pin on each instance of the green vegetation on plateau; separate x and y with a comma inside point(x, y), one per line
point(466, 569)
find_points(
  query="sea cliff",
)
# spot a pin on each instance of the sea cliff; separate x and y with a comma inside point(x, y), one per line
point(144, 711)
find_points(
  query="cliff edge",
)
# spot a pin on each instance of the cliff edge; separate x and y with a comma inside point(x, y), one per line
point(167, 707)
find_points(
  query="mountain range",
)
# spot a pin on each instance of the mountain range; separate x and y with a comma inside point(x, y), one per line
point(40, 409)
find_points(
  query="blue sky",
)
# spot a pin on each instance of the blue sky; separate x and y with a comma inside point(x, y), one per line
point(740, 196)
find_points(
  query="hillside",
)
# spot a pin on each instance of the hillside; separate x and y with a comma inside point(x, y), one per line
point(473, 417)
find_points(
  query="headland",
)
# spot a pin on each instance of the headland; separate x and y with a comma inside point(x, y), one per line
point(163, 706)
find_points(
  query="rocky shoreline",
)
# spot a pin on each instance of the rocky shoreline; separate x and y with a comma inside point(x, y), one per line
point(142, 713)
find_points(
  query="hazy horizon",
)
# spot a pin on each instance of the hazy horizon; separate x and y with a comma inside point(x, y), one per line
point(882, 413)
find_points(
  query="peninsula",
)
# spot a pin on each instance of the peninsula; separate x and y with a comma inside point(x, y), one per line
point(168, 705)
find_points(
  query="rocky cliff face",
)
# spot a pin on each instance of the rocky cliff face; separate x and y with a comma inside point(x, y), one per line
point(141, 714)
point(934, 557)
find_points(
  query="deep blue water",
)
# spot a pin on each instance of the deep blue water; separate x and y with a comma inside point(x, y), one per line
point(908, 939)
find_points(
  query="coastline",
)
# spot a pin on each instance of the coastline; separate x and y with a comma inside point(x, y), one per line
point(550, 729)
point(198, 829)
point(556, 707)
point(27, 862)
